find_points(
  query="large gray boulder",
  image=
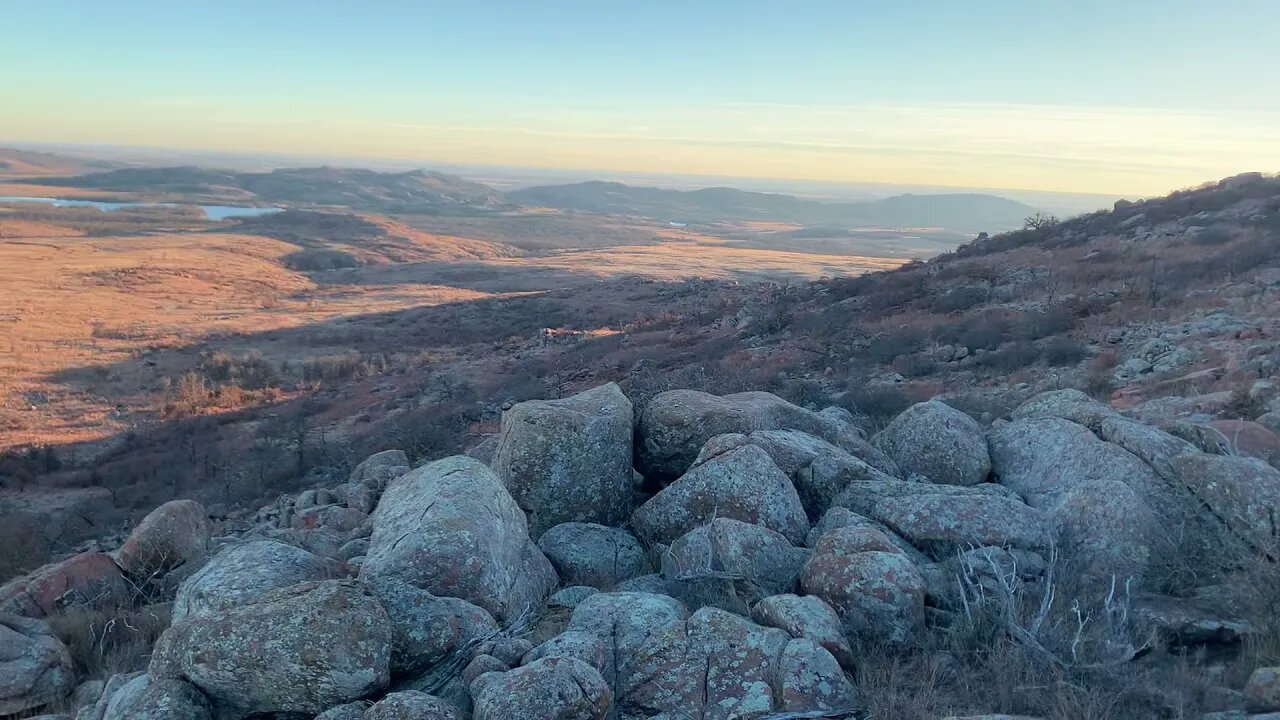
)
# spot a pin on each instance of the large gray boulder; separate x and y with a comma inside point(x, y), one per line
point(35, 667)
point(712, 664)
point(676, 424)
point(1240, 494)
point(942, 524)
point(554, 688)
point(818, 469)
point(452, 528)
point(173, 534)
point(569, 460)
point(145, 698)
point(740, 484)
point(594, 555)
point(424, 627)
point(731, 564)
point(936, 442)
point(299, 650)
point(242, 572)
point(878, 594)
point(1089, 485)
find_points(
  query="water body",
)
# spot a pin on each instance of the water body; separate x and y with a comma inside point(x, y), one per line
point(213, 212)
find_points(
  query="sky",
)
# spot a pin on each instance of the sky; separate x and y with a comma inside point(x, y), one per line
point(1137, 97)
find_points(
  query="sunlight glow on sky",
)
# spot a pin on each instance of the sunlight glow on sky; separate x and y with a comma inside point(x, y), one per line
point(1088, 96)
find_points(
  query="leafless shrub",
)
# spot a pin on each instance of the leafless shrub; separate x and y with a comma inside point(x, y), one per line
point(106, 642)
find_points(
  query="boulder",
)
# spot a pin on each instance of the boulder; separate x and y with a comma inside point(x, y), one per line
point(593, 555)
point(175, 533)
point(1270, 421)
point(573, 644)
point(556, 688)
point(731, 564)
point(1250, 439)
point(147, 698)
point(87, 580)
point(818, 469)
point(935, 441)
point(878, 595)
point(1262, 691)
point(806, 617)
point(347, 711)
point(1240, 493)
point(569, 460)
point(424, 627)
point(941, 524)
point(378, 470)
point(741, 484)
point(245, 571)
point(452, 528)
point(838, 517)
point(810, 679)
point(96, 708)
point(35, 667)
point(302, 649)
point(676, 424)
point(660, 662)
point(412, 705)
point(1106, 530)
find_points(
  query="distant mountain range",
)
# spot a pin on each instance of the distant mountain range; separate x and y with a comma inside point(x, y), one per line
point(414, 191)
point(421, 191)
point(969, 211)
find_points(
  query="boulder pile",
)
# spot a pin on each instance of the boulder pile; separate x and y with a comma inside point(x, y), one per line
point(719, 557)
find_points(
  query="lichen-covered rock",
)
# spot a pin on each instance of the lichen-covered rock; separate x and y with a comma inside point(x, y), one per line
point(818, 469)
point(340, 521)
point(425, 628)
point(87, 580)
point(838, 517)
point(239, 573)
point(712, 664)
point(940, 524)
point(347, 711)
point(877, 595)
point(378, 470)
point(1241, 495)
point(412, 705)
point(569, 460)
point(935, 441)
point(810, 679)
point(175, 533)
point(35, 667)
point(556, 688)
point(593, 555)
point(1262, 691)
point(1107, 530)
point(97, 708)
point(572, 643)
point(806, 617)
point(452, 528)
point(731, 564)
point(569, 597)
point(742, 484)
point(676, 424)
point(147, 698)
point(302, 649)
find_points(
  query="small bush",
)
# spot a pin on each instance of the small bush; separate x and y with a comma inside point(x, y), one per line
point(1242, 406)
point(1064, 351)
point(103, 643)
point(1013, 356)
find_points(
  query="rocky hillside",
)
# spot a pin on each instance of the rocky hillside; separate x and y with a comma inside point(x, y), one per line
point(701, 556)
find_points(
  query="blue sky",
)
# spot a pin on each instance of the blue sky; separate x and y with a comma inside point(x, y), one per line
point(1133, 97)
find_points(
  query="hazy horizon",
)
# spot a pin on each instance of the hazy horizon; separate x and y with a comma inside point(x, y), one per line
point(1095, 98)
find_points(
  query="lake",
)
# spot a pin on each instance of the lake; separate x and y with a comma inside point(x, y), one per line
point(213, 212)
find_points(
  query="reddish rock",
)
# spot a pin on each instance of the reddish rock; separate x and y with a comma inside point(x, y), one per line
point(1244, 437)
point(86, 580)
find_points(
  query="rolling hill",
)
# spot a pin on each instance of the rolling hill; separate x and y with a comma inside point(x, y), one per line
point(971, 211)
